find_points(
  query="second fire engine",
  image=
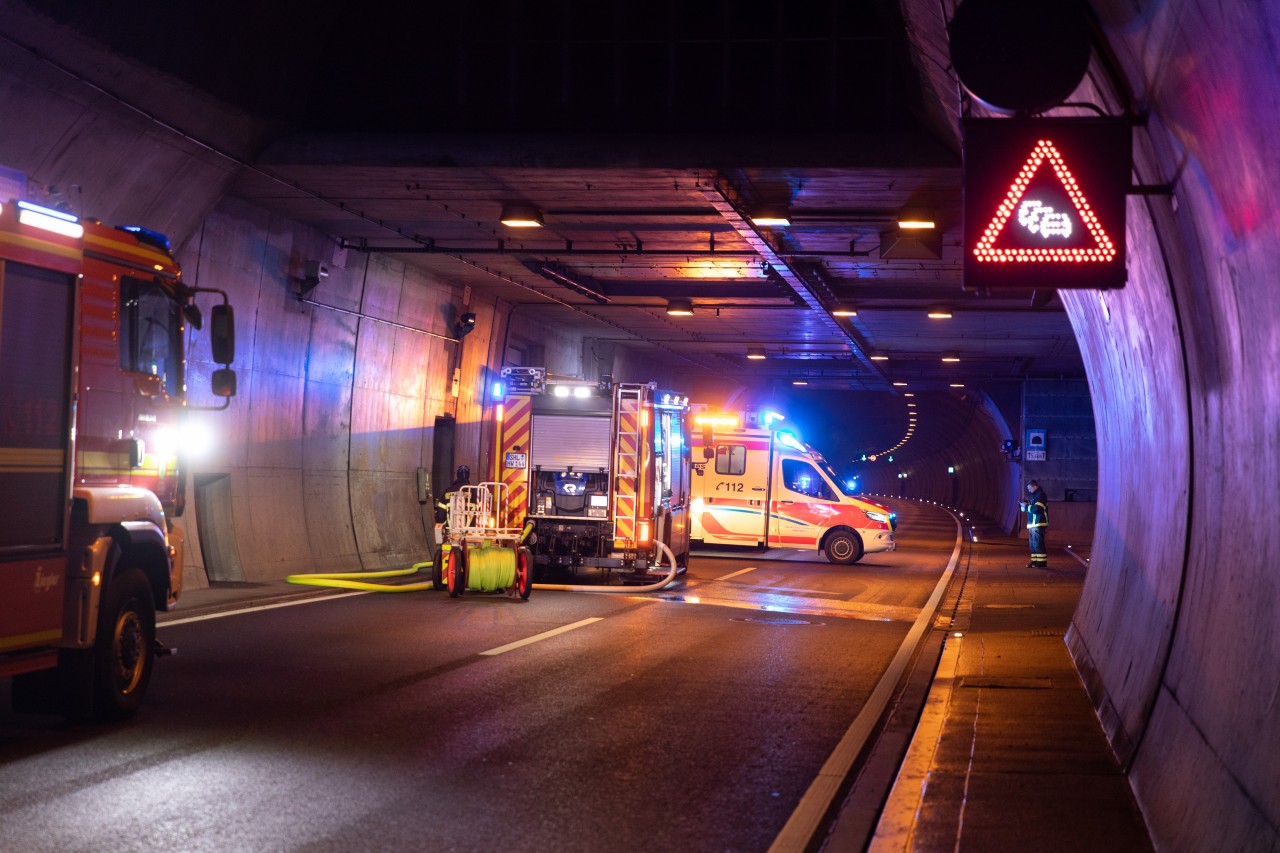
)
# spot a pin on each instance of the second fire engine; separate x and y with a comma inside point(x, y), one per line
point(599, 469)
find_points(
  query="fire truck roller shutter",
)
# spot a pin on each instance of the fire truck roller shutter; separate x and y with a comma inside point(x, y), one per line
point(561, 441)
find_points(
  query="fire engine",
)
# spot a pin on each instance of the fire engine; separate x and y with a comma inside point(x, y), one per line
point(599, 469)
point(92, 386)
point(760, 486)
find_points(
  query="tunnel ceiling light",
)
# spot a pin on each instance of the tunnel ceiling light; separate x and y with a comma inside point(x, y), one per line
point(755, 353)
point(879, 356)
point(951, 358)
point(521, 216)
point(679, 307)
point(844, 309)
point(899, 385)
point(799, 381)
point(957, 384)
point(939, 312)
point(908, 395)
point(916, 220)
point(771, 216)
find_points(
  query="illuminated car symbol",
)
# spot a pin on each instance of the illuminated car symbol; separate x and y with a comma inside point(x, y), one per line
point(1041, 219)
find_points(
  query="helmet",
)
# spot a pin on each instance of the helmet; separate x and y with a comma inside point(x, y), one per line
point(464, 473)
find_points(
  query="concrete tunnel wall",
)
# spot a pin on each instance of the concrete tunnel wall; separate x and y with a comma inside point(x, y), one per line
point(1176, 635)
point(335, 412)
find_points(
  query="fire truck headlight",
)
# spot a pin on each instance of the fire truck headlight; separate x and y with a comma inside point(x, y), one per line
point(197, 440)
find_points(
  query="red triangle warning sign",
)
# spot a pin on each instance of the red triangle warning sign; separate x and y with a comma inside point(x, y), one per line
point(1044, 217)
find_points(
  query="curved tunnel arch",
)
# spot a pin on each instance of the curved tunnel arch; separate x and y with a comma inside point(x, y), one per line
point(1177, 630)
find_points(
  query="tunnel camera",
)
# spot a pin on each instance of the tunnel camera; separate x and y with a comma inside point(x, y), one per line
point(312, 273)
point(465, 324)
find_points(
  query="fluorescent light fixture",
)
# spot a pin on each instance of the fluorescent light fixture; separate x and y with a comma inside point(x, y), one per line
point(521, 216)
point(679, 307)
point(916, 221)
point(957, 384)
point(879, 356)
point(799, 381)
point(48, 219)
point(844, 309)
point(899, 385)
point(908, 395)
point(951, 358)
point(755, 353)
point(938, 312)
point(771, 216)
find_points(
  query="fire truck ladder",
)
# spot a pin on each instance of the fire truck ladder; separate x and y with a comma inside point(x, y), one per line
point(626, 468)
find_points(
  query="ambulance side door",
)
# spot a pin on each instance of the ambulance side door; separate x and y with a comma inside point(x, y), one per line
point(736, 481)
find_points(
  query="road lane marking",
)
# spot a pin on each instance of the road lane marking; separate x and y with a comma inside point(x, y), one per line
point(735, 574)
point(253, 608)
point(816, 802)
point(543, 636)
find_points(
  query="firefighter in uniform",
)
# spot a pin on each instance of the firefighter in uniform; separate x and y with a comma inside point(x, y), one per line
point(1037, 508)
point(463, 478)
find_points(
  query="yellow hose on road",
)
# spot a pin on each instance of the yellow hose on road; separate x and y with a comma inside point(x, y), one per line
point(349, 580)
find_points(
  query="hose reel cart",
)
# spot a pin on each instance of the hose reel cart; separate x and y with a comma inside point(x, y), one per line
point(478, 555)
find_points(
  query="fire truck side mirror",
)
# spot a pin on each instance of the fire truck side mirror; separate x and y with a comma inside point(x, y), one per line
point(223, 382)
point(222, 335)
point(708, 452)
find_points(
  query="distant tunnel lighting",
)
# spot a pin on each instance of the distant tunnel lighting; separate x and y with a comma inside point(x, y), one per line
point(937, 312)
point(755, 353)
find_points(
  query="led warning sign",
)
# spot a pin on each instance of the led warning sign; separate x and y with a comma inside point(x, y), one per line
point(1045, 203)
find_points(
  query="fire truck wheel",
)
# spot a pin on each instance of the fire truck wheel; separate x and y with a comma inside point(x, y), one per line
point(843, 547)
point(437, 570)
point(524, 572)
point(455, 573)
point(125, 648)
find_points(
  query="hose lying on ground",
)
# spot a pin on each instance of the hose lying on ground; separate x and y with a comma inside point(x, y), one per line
point(358, 580)
point(349, 580)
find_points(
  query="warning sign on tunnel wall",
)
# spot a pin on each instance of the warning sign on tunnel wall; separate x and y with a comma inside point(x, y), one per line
point(1044, 203)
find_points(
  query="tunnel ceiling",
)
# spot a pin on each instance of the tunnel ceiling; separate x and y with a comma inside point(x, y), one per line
point(646, 138)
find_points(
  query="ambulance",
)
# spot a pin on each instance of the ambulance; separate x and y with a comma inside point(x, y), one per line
point(760, 486)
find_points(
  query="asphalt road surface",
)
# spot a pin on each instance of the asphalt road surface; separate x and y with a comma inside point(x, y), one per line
point(691, 719)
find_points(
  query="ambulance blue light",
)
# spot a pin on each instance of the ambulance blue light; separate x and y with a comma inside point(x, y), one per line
point(770, 417)
point(787, 439)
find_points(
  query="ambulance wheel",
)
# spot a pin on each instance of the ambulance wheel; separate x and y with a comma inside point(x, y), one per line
point(524, 572)
point(455, 573)
point(843, 547)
